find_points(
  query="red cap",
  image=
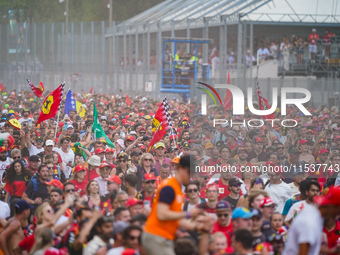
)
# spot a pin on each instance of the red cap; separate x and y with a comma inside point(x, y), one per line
point(61, 124)
point(149, 177)
point(3, 148)
point(336, 138)
point(56, 183)
point(322, 151)
point(321, 141)
point(326, 116)
point(104, 164)
point(114, 178)
point(211, 185)
point(303, 141)
point(267, 201)
point(141, 114)
point(310, 131)
point(172, 137)
point(132, 202)
point(331, 197)
point(98, 151)
point(258, 140)
point(79, 168)
point(315, 120)
point(130, 137)
point(239, 149)
point(141, 129)
point(109, 150)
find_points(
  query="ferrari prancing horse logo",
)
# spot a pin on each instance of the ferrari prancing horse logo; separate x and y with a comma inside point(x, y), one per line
point(47, 105)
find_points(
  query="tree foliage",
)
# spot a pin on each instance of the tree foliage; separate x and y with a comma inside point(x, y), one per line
point(47, 11)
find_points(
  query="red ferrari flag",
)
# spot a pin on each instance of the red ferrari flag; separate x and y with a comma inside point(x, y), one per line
point(228, 97)
point(160, 123)
point(128, 101)
point(37, 91)
point(91, 90)
point(51, 104)
point(263, 103)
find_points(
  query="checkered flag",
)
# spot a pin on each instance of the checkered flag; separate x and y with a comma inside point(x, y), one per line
point(263, 103)
point(161, 123)
point(167, 111)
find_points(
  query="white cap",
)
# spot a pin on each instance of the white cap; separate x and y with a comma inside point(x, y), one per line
point(313, 30)
point(20, 106)
point(70, 126)
point(133, 133)
point(49, 143)
point(103, 118)
point(4, 111)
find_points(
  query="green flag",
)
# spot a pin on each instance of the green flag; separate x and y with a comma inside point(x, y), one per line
point(97, 128)
point(78, 151)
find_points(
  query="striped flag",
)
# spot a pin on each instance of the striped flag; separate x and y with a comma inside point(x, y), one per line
point(263, 103)
point(37, 91)
point(160, 123)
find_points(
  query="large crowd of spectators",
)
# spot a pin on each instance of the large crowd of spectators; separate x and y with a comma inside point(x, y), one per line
point(65, 192)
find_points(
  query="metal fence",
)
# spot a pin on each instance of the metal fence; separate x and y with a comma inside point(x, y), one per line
point(86, 58)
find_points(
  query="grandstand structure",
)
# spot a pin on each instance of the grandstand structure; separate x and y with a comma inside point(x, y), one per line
point(231, 25)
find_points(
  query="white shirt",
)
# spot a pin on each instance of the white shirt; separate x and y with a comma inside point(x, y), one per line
point(262, 53)
point(66, 157)
point(102, 186)
point(5, 212)
point(295, 209)
point(280, 193)
point(3, 167)
point(295, 190)
point(34, 150)
point(21, 120)
point(306, 228)
point(116, 251)
point(93, 246)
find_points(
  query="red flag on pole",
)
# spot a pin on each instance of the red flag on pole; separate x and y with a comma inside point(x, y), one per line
point(51, 104)
point(91, 90)
point(37, 91)
point(263, 103)
point(2, 88)
point(160, 123)
point(228, 97)
point(128, 101)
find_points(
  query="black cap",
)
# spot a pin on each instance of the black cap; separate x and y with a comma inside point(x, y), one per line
point(135, 153)
point(234, 181)
point(58, 190)
point(33, 158)
point(186, 145)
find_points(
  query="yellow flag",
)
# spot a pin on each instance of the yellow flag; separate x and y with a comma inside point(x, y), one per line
point(80, 109)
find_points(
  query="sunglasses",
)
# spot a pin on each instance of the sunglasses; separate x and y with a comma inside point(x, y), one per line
point(50, 167)
point(237, 185)
point(222, 215)
point(142, 133)
point(39, 141)
point(70, 190)
point(192, 190)
point(122, 160)
point(134, 237)
point(147, 159)
point(148, 182)
point(16, 157)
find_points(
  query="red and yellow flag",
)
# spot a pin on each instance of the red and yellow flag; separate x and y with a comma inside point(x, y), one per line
point(51, 104)
point(37, 91)
point(160, 123)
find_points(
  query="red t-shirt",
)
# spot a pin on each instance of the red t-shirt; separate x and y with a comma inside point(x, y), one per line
point(227, 231)
point(332, 236)
point(80, 185)
point(222, 190)
point(17, 187)
point(313, 38)
point(27, 243)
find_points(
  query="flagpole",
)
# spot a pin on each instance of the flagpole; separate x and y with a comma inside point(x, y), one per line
point(56, 126)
